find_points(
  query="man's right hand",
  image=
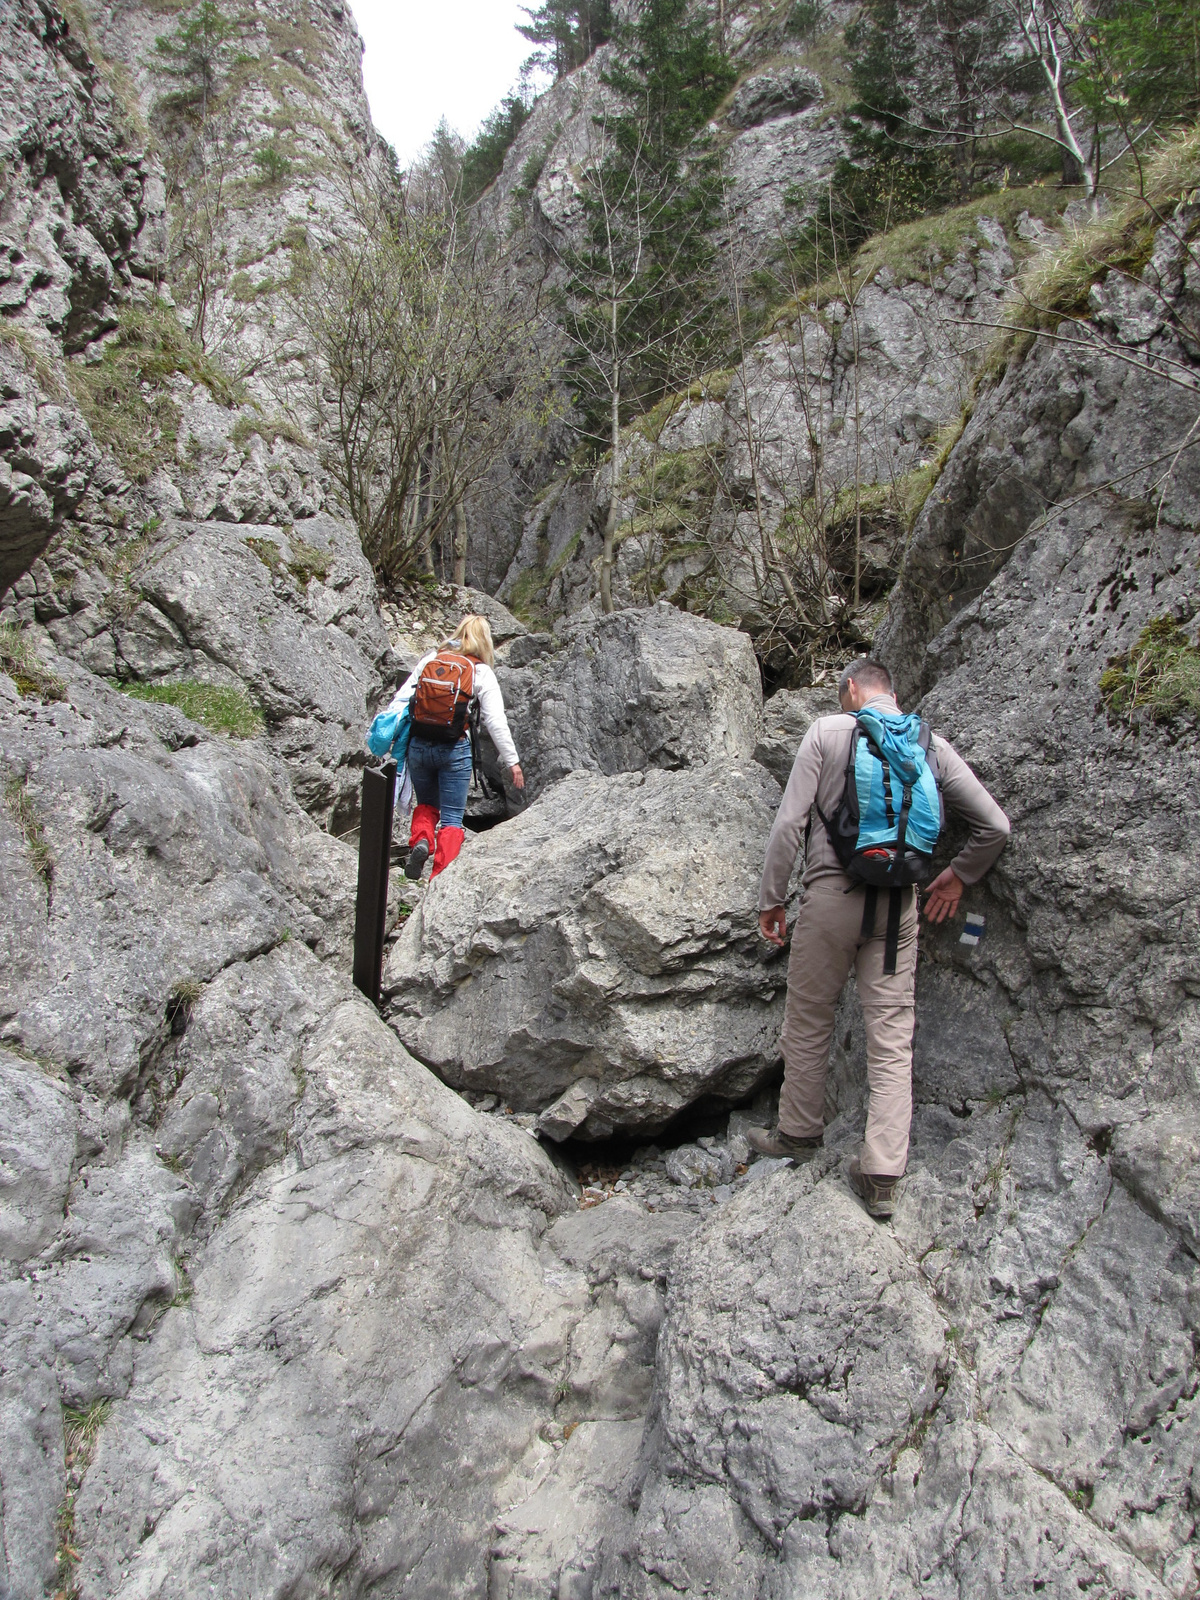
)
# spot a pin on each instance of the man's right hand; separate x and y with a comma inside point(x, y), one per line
point(773, 925)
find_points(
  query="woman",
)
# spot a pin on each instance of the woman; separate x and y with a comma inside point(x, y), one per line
point(443, 687)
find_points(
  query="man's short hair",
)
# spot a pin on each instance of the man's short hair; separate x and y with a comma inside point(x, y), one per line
point(867, 673)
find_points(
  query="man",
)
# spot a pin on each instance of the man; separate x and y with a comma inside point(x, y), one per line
point(832, 934)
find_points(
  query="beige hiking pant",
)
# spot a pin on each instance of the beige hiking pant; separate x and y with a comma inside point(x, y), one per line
point(826, 941)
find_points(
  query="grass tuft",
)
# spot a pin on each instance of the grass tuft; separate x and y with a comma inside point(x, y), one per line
point(268, 552)
point(81, 1429)
point(1057, 286)
point(308, 562)
point(124, 395)
point(268, 429)
point(220, 710)
point(23, 667)
point(24, 814)
point(1159, 676)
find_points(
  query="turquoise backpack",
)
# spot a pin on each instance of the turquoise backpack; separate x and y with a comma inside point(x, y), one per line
point(887, 822)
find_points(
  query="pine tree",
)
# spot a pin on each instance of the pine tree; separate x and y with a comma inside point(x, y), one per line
point(201, 48)
point(641, 307)
point(569, 32)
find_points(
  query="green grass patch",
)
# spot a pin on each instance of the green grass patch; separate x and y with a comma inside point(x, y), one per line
point(19, 661)
point(1057, 287)
point(917, 251)
point(184, 1288)
point(268, 429)
point(528, 594)
point(308, 562)
point(24, 813)
point(124, 398)
point(220, 710)
point(268, 552)
point(1158, 677)
point(81, 1429)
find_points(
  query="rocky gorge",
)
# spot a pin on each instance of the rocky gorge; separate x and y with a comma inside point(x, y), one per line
point(479, 1293)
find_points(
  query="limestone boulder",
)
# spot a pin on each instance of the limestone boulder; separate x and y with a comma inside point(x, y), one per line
point(764, 96)
point(630, 691)
point(142, 858)
point(597, 959)
point(374, 1327)
point(787, 717)
point(826, 1425)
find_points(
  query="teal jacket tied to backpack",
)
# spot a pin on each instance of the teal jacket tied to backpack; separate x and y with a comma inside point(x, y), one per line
point(888, 820)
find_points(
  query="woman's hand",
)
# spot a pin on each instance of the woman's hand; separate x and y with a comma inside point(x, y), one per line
point(518, 778)
point(943, 895)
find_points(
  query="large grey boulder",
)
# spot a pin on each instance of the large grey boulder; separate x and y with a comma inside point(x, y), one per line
point(787, 717)
point(377, 1332)
point(597, 959)
point(636, 689)
point(146, 869)
point(826, 1426)
point(171, 855)
point(290, 618)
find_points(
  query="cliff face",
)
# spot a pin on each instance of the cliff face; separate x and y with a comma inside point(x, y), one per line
point(83, 229)
point(192, 535)
point(779, 135)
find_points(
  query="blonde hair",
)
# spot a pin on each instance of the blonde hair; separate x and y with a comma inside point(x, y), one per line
point(475, 637)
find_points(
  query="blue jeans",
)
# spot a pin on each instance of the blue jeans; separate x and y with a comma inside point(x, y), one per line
point(441, 776)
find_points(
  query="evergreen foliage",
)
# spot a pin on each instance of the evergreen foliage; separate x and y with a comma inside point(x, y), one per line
point(484, 156)
point(1143, 64)
point(641, 292)
point(197, 53)
point(568, 31)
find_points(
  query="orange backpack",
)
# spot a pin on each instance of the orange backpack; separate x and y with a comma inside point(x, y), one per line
point(443, 698)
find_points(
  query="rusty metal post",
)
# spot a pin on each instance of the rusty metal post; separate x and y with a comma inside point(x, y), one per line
point(374, 854)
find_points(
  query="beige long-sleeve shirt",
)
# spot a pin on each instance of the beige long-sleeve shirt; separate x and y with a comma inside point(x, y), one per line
point(818, 777)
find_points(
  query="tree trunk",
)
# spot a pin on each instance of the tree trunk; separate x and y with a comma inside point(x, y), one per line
point(430, 487)
point(610, 522)
point(460, 544)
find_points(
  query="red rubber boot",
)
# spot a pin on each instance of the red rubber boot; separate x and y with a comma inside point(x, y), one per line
point(449, 843)
point(420, 840)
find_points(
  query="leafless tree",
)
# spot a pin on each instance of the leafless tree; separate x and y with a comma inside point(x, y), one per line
point(422, 366)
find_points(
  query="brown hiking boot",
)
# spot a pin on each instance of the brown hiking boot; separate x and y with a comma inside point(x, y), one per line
point(775, 1142)
point(876, 1192)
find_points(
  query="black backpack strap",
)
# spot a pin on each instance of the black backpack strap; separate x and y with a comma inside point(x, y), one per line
point(925, 740)
point(891, 942)
point(847, 802)
point(473, 735)
point(902, 824)
point(870, 899)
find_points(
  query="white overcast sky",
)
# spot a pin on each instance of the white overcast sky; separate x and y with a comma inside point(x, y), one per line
point(426, 59)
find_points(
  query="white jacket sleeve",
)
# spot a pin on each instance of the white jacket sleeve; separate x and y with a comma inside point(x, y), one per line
point(409, 687)
point(491, 706)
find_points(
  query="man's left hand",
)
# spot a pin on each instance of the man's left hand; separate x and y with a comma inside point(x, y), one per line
point(943, 895)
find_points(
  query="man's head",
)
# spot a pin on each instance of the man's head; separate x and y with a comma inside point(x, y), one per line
point(861, 681)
